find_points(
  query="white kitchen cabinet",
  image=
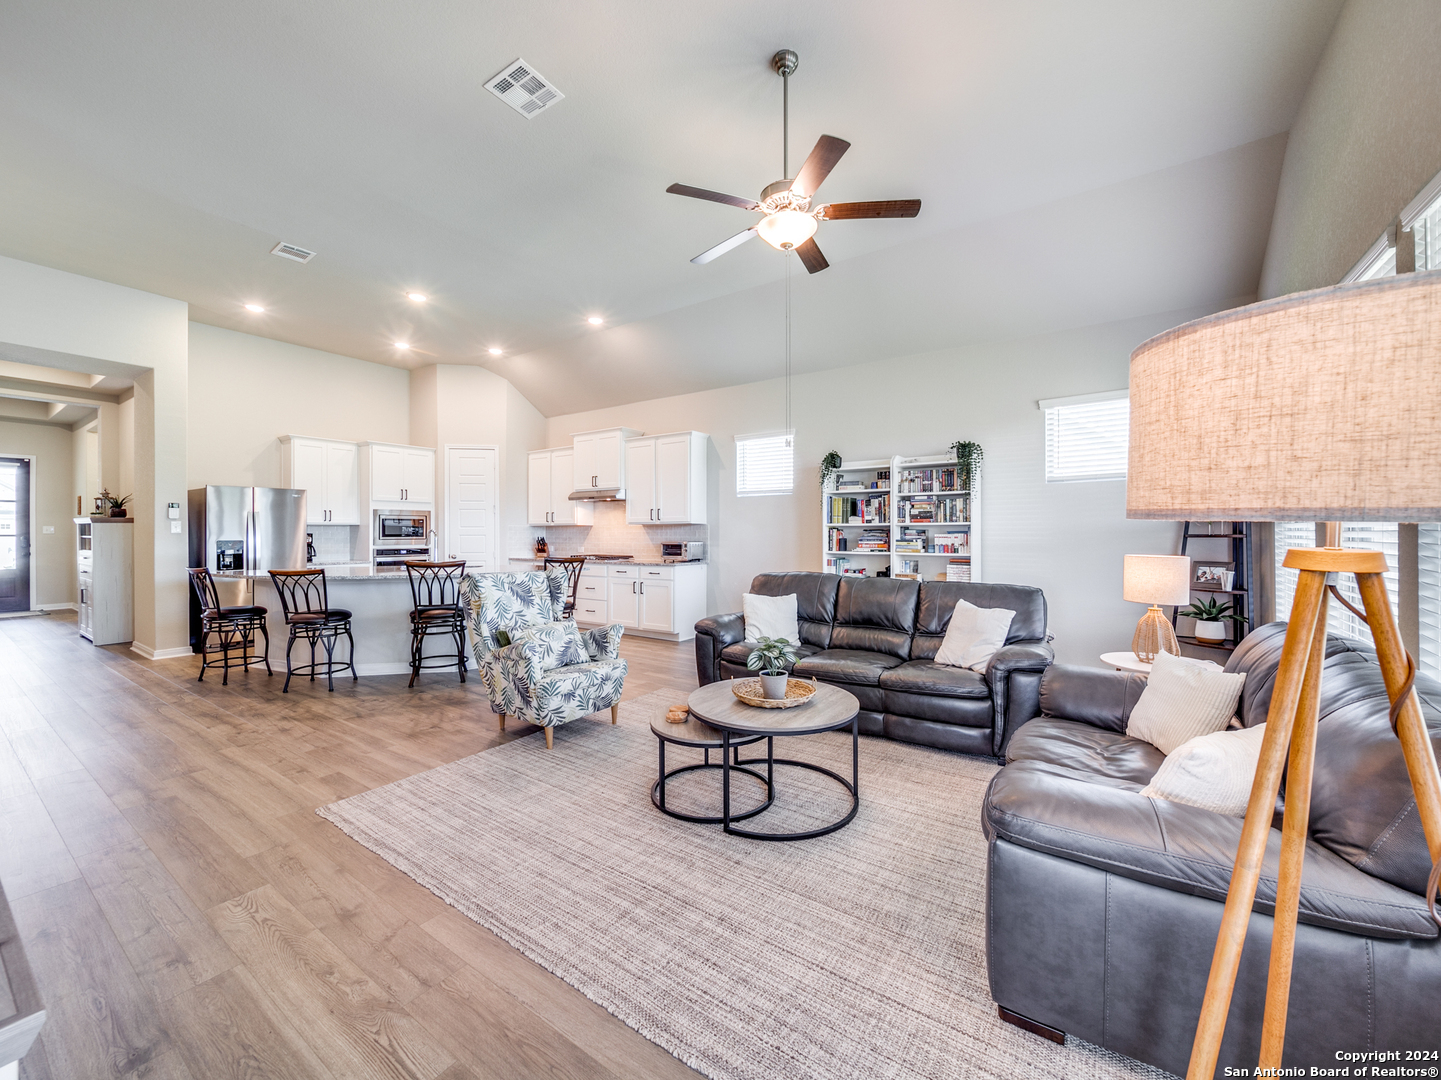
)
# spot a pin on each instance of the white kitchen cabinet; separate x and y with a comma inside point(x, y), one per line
point(656, 601)
point(329, 472)
point(623, 596)
point(549, 479)
point(657, 604)
point(592, 606)
point(666, 479)
point(392, 473)
point(599, 462)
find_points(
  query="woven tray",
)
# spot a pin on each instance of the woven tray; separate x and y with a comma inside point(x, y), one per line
point(749, 692)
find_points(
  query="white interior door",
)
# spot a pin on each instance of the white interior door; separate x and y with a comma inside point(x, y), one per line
point(472, 506)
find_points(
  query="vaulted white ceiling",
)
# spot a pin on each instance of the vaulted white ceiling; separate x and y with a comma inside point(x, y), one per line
point(1077, 163)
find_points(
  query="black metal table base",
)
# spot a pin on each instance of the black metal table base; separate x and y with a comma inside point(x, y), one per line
point(657, 791)
point(852, 786)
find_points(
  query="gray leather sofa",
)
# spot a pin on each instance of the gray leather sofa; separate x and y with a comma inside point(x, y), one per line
point(878, 637)
point(1103, 905)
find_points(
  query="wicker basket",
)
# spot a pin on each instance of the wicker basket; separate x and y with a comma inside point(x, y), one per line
point(749, 692)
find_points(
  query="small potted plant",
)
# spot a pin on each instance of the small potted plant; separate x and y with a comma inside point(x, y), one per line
point(769, 657)
point(969, 456)
point(1211, 617)
point(117, 505)
point(829, 464)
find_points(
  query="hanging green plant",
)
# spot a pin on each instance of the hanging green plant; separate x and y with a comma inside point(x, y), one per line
point(969, 456)
point(829, 464)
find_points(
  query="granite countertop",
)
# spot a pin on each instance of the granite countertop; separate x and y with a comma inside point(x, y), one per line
point(590, 563)
point(351, 572)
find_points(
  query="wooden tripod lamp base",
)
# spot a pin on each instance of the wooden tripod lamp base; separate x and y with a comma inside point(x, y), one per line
point(1291, 737)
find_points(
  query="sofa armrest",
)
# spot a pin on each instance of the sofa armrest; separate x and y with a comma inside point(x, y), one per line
point(1014, 697)
point(713, 634)
point(1103, 699)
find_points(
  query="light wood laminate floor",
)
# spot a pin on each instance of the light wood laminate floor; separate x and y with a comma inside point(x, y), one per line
point(188, 915)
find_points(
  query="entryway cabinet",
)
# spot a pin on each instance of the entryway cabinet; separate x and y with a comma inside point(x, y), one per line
point(399, 474)
point(599, 462)
point(550, 476)
point(328, 471)
point(666, 479)
point(103, 559)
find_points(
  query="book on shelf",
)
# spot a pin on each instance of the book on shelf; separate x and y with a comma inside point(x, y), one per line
point(908, 568)
point(958, 570)
point(837, 564)
point(836, 540)
point(873, 540)
point(954, 542)
point(929, 480)
point(845, 510)
point(912, 540)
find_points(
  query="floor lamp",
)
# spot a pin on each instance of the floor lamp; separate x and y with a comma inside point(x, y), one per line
point(1320, 406)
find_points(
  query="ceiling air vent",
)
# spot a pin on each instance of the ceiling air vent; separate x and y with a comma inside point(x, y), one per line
point(523, 89)
point(290, 251)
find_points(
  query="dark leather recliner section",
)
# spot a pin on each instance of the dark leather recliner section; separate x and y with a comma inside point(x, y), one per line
point(1102, 905)
point(878, 637)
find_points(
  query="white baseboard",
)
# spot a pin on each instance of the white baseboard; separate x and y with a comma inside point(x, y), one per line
point(159, 654)
point(57, 607)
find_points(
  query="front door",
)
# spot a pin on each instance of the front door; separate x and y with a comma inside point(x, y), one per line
point(471, 507)
point(14, 534)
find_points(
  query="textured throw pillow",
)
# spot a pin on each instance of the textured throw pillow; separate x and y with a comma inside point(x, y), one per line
point(771, 616)
point(560, 643)
point(1214, 772)
point(1183, 699)
point(974, 635)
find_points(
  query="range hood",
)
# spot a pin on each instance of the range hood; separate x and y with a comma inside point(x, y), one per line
point(598, 495)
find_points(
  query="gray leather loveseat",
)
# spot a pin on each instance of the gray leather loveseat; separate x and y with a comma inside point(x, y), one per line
point(877, 638)
point(1103, 905)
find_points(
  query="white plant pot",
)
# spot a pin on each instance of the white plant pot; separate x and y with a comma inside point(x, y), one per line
point(774, 686)
point(1213, 633)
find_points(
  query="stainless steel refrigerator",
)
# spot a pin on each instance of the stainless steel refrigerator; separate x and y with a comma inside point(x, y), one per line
point(239, 533)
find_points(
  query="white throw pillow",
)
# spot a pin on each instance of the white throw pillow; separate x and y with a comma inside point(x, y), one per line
point(1214, 772)
point(1182, 700)
point(771, 616)
point(974, 636)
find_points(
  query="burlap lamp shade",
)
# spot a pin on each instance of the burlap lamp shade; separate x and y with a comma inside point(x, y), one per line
point(1321, 406)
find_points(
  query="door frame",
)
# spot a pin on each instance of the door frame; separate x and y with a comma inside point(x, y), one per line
point(33, 460)
point(442, 534)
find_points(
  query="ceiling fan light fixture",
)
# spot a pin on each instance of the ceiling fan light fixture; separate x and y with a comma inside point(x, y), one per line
point(787, 229)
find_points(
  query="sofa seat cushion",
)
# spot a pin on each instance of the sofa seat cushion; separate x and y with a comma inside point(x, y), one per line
point(1107, 757)
point(1049, 808)
point(739, 652)
point(847, 666)
point(929, 677)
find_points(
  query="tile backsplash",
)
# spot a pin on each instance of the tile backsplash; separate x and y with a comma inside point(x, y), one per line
point(333, 543)
point(610, 535)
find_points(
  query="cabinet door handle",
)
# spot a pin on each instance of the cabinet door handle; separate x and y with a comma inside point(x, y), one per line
point(642, 588)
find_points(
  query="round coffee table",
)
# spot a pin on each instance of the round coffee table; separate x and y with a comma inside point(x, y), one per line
point(701, 735)
point(829, 709)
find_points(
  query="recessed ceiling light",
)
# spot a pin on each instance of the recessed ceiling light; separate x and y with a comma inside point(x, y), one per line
point(418, 297)
point(402, 345)
point(595, 320)
point(257, 308)
point(493, 350)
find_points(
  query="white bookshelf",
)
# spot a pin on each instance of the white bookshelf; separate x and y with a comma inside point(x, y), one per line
point(891, 494)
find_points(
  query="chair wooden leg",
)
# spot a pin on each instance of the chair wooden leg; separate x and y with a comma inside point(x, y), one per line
point(615, 712)
point(550, 738)
point(502, 721)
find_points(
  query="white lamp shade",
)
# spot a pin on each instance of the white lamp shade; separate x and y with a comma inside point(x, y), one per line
point(787, 229)
point(1320, 406)
point(1157, 579)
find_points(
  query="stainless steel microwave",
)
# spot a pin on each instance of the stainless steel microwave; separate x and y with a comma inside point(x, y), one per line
point(391, 526)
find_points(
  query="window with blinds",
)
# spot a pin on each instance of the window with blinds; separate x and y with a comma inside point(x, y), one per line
point(1087, 438)
point(1428, 588)
point(765, 464)
point(1370, 535)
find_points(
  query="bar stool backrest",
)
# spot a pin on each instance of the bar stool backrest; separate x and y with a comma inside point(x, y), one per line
point(572, 565)
point(302, 592)
point(435, 584)
point(205, 589)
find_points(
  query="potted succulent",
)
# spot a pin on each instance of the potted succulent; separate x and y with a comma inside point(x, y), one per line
point(769, 657)
point(117, 505)
point(1211, 617)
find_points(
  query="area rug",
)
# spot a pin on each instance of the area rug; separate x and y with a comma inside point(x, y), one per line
point(858, 954)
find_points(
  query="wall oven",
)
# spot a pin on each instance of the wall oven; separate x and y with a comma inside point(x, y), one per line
point(395, 558)
point(394, 527)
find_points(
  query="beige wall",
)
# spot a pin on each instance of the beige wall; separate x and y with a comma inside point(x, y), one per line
point(247, 391)
point(1366, 140)
point(52, 479)
point(1068, 539)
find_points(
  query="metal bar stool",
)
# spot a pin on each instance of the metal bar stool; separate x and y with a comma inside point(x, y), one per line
point(310, 616)
point(235, 626)
point(435, 588)
point(572, 565)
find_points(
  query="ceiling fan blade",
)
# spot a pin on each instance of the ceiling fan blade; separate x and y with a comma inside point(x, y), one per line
point(725, 245)
point(827, 152)
point(811, 257)
point(712, 196)
point(896, 208)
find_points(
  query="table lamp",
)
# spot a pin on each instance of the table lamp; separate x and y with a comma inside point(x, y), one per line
point(1155, 580)
point(1320, 406)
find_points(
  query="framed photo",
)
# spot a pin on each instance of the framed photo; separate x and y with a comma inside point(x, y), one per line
point(1211, 576)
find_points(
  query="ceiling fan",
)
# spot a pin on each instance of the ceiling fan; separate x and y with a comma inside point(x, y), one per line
point(789, 221)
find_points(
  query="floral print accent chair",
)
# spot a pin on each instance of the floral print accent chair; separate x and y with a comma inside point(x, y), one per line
point(534, 665)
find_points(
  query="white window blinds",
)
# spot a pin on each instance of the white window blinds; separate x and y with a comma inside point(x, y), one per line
point(1087, 438)
point(765, 464)
point(1428, 587)
point(1370, 535)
